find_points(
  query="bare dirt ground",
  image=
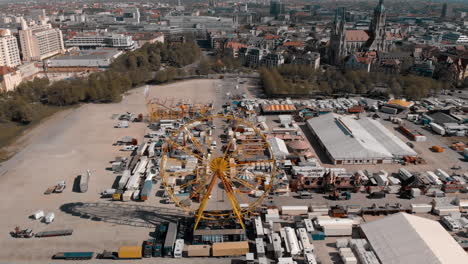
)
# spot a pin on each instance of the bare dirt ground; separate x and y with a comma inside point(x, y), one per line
point(63, 147)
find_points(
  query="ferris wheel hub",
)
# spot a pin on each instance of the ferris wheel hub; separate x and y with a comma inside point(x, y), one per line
point(219, 166)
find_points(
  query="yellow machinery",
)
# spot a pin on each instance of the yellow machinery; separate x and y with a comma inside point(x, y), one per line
point(169, 108)
point(213, 172)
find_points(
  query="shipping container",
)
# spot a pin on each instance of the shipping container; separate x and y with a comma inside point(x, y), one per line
point(260, 247)
point(308, 225)
point(347, 256)
point(310, 258)
point(169, 242)
point(388, 110)
point(130, 252)
point(437, 128)
point(227, 249)
point(294, 210)
point(443, 176)
point(304, 241)
point(136, 195)
point(421, 208)
point(124, 179)
point(317, 235)
point(405, 174)
point(277, 248)
point(151, 149)
point(146, 190)
point(198, 250)
point(291, 241)
point(142, 148)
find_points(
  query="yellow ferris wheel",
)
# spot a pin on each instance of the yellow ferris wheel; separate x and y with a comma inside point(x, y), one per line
point(215, 163)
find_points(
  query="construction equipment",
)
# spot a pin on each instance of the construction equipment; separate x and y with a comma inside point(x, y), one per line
point(437, 149)
point(22, 233)
point(60, 187)
point(50, 190)
point(169, 108)
point(336, 195)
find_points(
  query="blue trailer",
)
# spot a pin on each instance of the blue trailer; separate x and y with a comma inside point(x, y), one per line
point(74, 255)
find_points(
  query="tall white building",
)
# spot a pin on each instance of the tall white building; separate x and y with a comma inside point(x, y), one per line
point(118, 41)
point(9, 51)
point(39, 42)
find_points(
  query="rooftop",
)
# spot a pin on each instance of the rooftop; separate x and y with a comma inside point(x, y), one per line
point(405, 238)
point(347, 137)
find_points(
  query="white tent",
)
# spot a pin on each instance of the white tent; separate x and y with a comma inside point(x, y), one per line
point(280, 150)
point(405, 238)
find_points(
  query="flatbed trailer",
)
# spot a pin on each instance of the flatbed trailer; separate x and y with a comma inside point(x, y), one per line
point(66, 232)
point(74, 255)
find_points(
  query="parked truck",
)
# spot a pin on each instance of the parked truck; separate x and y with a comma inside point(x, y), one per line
point(74, 255)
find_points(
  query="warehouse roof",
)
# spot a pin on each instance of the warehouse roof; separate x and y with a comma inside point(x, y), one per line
point(405, 238)
point(400, 102)
point(278, 108)
point(442, 118)
point(346, 137)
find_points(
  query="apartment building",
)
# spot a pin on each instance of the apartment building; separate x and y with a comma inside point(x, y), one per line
point(39, 42)
point(9, 51)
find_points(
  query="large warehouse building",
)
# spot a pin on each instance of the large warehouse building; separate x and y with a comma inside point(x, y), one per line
point(404, 238)
point(351, 140)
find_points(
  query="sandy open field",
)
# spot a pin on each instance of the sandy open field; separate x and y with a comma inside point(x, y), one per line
point(63, 147)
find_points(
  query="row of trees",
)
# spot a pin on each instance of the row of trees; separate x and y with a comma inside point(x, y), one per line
point(304, 80)
point(127, 71)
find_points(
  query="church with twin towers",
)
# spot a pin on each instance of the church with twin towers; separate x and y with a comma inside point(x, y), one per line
point(344, 42)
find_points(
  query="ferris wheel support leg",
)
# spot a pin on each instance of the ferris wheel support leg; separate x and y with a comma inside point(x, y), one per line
point(232, 198)
point(204, 202)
